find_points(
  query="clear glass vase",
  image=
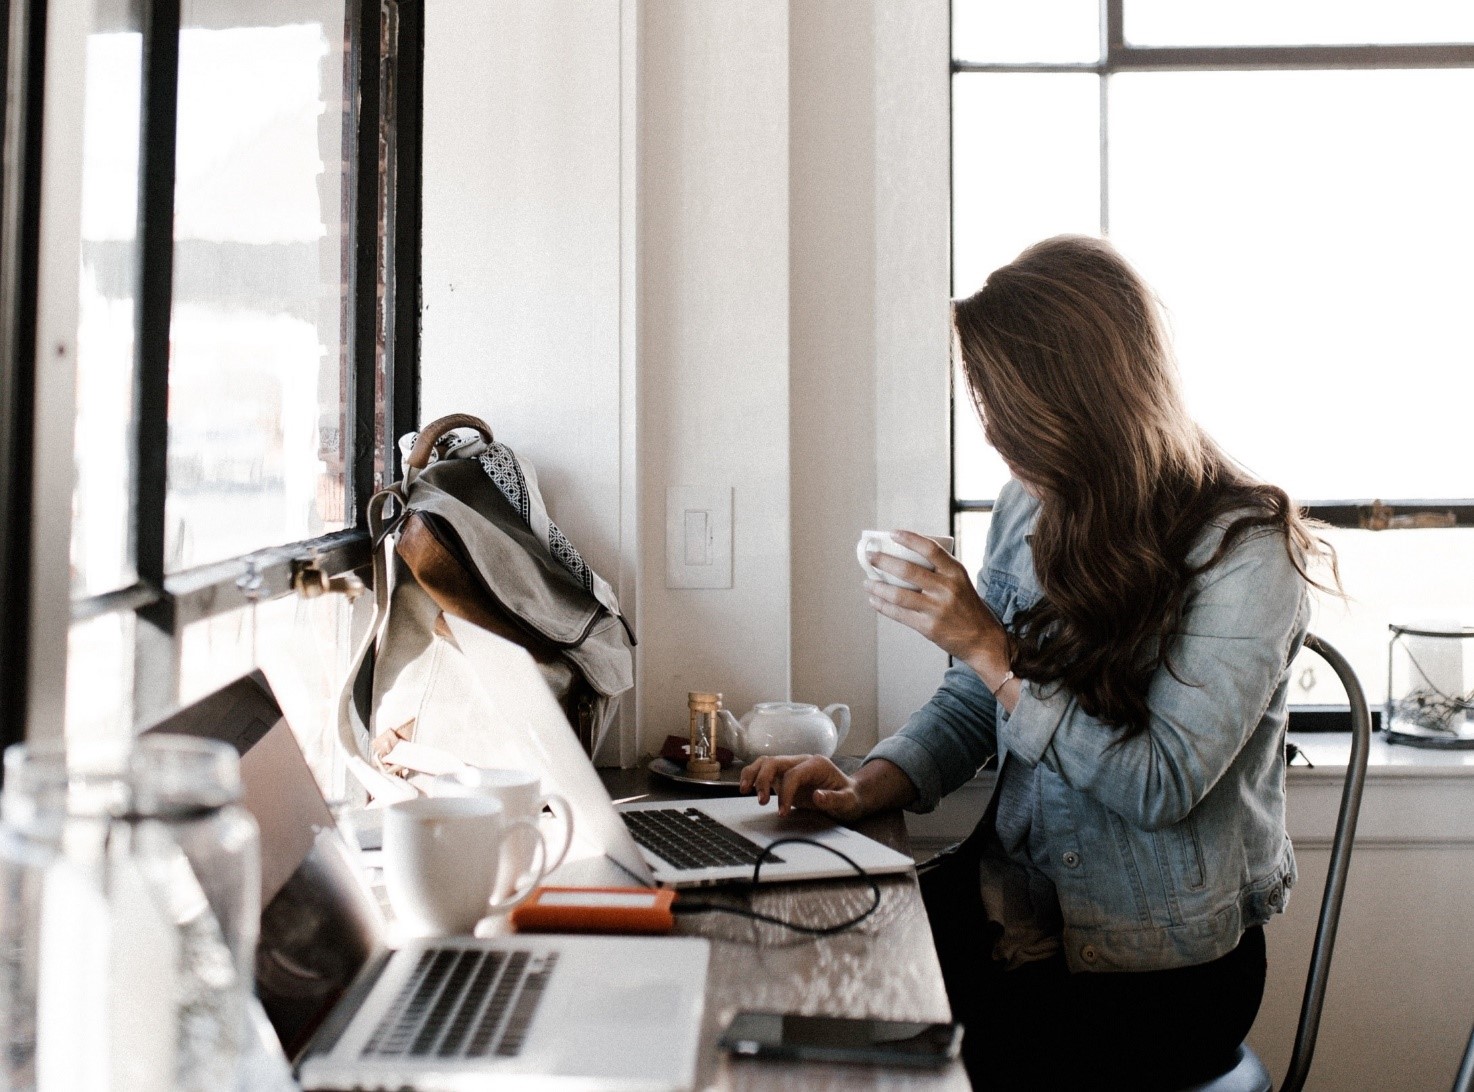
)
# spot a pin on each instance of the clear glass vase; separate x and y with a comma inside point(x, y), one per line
point(1430, 685)
point(131, 892)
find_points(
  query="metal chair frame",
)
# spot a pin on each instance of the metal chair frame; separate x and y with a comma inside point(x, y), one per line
point(1248, 1072)
point(1318, 975)
point(1464, 1081)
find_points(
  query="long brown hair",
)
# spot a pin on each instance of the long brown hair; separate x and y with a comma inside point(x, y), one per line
point(1069, 366)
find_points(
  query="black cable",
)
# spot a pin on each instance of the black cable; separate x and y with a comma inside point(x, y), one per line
point(682, 906)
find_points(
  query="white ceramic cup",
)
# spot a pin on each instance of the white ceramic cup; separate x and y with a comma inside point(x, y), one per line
point(441, 858)
point(519, 792)
point(881, 542)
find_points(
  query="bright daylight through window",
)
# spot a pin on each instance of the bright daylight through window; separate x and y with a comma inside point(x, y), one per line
point(280, 341)
point(1295, 181)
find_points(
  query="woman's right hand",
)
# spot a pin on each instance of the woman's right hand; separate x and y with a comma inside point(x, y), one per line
point(804, 781)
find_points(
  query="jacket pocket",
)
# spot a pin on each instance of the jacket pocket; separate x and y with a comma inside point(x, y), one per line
point(1187, 854)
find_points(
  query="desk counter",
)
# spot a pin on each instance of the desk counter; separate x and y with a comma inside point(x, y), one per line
point(885, 967)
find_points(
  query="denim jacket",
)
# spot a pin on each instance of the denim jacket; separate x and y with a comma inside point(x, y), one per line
point(1165, 847)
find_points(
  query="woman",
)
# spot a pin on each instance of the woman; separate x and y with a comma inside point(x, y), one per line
point(1126, 655)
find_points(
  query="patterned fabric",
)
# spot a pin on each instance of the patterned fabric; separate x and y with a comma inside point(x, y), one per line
point(510, 475)
point(569, 557)
point(504, 470)
point(501, 466)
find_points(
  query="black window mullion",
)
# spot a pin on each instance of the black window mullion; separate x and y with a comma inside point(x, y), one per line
point(363, 225)
point(1113, 27)
point(1254, 58)
point(22, 53)
point(1373, 515)
point(1113, 39)
point(404, 260)
point(156, 660)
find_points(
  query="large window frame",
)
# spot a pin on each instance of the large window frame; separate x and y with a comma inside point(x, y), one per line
point(24, 28)
point(381, 383)
point(1119, 56)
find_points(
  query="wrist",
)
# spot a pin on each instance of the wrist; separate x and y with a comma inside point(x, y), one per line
point(881, 785)
point(991, 663)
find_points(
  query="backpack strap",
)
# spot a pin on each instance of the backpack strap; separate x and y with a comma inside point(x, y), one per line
point(353, 733)
point(431, 434)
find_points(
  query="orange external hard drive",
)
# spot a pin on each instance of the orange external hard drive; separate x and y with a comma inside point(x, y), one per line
point(596, 910)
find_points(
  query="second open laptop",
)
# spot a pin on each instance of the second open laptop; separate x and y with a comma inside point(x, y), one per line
point(440, 1015)
point(674, 843)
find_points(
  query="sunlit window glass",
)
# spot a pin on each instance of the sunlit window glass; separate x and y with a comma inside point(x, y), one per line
point(1025, 165)
point(1307, 230)
point(1309, 233)
point(1403, 578)
point(255, 385)
point(301, 644)
point(101, 551)
point(99, 701)
point(1058, 31)
point(1298, 22)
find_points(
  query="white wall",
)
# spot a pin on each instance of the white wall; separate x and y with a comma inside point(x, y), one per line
point(695, 243)
point(913, 225)
point(831, 179)
point(521, 276)
point(714, 336)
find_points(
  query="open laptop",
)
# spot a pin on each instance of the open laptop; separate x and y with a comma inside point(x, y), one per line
point(550, 1011)
point(673, 843)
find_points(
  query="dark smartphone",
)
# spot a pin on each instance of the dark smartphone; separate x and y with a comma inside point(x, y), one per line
point(841, 1039)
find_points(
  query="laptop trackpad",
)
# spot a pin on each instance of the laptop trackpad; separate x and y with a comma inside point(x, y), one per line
point(797, 824)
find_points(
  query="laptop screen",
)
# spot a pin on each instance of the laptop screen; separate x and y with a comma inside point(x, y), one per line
point(319, 922)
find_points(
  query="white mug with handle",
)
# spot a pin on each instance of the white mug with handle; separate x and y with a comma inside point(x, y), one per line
point(883, 542)
point(442, 856)
point(521, 796)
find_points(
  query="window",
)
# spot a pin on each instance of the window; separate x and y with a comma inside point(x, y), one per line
point(246, 347)
point(1293, 179)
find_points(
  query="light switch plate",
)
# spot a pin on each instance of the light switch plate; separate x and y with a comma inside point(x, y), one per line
point(698, 536)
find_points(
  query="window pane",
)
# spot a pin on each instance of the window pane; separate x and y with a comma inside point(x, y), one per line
point(101, 555)
point(1309, 234)
point(972, 538)
point(214, 651)
point(1025, 166)
point(1298, 22)
point(1401, 577)
point(301, 644)
point(1015, 31)
point(978, 473)
point(256, 415)
point(100, 678)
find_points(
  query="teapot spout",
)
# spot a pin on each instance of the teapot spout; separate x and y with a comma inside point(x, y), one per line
point(730, 733)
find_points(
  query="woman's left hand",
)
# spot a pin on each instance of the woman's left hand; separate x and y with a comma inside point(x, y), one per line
point(946, 609)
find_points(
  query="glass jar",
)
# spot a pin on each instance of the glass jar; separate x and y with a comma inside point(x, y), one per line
point(131, 894)
point(31, 808)
point(1430, 685)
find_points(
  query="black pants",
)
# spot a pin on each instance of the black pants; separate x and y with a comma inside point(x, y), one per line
point(1041, 1027)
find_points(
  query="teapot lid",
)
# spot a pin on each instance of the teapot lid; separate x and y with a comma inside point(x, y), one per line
point(784, 707)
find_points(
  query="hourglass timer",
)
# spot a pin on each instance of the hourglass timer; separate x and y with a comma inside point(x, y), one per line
point(702, 759)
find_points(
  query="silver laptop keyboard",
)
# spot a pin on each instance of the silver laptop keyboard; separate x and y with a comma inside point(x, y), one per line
point(692, 839)
point(463, 1003)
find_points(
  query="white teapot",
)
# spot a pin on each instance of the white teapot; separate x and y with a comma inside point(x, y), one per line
point(788, 728)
